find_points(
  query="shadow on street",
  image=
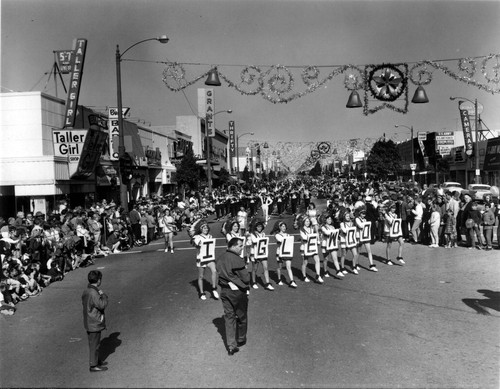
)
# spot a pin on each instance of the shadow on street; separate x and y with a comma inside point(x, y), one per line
point(492, 301)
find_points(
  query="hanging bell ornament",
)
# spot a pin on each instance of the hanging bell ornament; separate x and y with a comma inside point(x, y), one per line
point(213, 78)
point(354, 100)
point(420, 96)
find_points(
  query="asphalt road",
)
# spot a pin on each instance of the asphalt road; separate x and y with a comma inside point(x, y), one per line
point(432, 323)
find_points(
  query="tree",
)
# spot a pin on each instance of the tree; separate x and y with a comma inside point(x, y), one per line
point(316, 170)
point(224, 176)
point(188, 172)
point(384, 159)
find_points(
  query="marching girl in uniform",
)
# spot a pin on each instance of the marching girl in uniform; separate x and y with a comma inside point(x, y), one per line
point(201, 235)
point(360, 220)
point(312, 214)
point(327, 229)
point(389, 217)
point(280, 233)
point(344, 225)
point(234, 231)
point(265, 202)
point(256, 232)
point(305, 232)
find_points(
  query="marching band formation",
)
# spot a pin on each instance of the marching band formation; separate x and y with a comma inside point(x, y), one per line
point(329, 237)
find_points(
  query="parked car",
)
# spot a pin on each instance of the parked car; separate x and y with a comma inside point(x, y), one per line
point(479, 190)
point(452, 187)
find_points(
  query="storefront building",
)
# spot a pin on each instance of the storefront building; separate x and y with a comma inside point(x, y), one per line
point(42, 164)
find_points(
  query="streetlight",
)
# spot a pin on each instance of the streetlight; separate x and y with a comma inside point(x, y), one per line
point(121, 138)
point(207, 151)
point(412, 151)
point(238, 151)
point(476, 146)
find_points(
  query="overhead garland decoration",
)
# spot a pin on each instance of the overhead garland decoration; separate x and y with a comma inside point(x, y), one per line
point(276, 84)
point(387, 83)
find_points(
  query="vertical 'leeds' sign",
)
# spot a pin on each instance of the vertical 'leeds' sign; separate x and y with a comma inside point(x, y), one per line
point(75, 82)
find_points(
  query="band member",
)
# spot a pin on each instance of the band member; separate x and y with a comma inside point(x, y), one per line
point(256, 232)
point(390, 218)
point(328, 231)
point(280, 234)
point(265, 202)
point(364, 226)
point(312, 214)
point(201, 235)
point(345, 245)
point(307, 233)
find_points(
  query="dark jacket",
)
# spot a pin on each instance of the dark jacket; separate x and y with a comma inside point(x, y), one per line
point(231, 268)
point(94, 305)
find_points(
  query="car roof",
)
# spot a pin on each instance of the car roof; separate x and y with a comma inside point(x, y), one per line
point(486, 186)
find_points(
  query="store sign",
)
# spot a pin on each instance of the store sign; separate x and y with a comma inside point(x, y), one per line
point(63, 58)
point(445, 138)
point(153, 156)
point(232, 140)
point(492, 156)
point(444, 150)
point(422, 136)
point(75, 82)
point(69, 144)
point(91, 152)
point(209, 112)
point(82, 148)
point(98, 120)
point(464, 116)
point(114, 131)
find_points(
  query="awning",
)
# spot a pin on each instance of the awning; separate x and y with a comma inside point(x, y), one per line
point(132, 140)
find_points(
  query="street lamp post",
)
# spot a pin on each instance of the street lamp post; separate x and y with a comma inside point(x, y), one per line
point(238, 152)
point(412, 149)
point(207, 151)
point(476, 132)
point(121, 138)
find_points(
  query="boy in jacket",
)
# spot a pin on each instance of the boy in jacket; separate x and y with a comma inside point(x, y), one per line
point(94, 303)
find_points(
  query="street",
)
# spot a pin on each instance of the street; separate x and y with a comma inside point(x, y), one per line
point(433, 322)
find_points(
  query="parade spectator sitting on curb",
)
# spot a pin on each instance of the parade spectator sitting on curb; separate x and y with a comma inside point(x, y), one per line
point(32, 287)
point(113, 241)
point(6, 305)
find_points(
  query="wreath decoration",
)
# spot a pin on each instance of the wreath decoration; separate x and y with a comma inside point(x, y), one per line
point(315, 155)
point(323, 148)
point(424, 74)
point(468, 66)
point(353, 81)
point(310, 75)
point(386, 82)
point(495, 76)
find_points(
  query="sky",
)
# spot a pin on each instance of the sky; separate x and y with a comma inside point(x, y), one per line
point(239, 33)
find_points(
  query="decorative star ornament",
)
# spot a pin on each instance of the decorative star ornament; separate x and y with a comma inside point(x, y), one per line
point(387, 82)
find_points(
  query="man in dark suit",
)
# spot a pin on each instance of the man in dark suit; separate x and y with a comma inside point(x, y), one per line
point(234, 280)
point(94, 303)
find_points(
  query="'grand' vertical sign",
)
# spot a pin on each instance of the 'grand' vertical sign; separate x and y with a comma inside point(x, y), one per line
point(75, 82)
